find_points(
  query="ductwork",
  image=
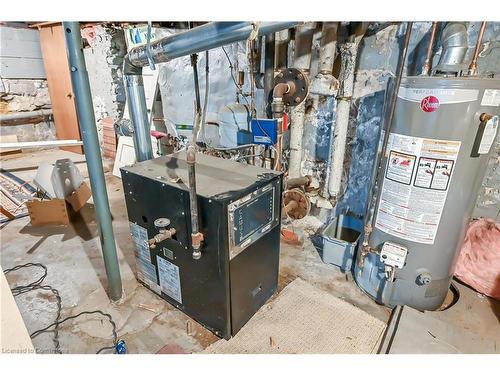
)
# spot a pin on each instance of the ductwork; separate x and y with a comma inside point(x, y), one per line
point(454, 47)
point(202, 38)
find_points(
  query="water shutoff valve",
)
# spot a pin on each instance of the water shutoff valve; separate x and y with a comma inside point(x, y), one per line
point(162, 225)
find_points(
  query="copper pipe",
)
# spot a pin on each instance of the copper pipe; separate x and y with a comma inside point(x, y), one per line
point(280, 89)
point(292, 205)
point(473, 63)
point(427, 64)
point(279, 151)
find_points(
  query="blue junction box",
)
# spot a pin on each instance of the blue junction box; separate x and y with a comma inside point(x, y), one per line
point(265, 131)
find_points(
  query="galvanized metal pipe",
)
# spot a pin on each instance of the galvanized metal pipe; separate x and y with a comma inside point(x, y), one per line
point(455, 45)
point(202, 38)
point(85, 110)
point(136, 100)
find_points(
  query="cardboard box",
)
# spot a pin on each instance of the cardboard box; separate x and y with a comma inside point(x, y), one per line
point(58, 211)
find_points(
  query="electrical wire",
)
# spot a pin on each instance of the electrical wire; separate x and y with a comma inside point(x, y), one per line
point(36, 285)
point(205, 100)
point(240, 91)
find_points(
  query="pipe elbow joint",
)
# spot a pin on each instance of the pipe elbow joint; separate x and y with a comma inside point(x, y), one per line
point(129, 69)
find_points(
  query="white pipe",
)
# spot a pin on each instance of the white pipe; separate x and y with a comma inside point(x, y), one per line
point(65, 142)
point(348, 52)
point(302, 61)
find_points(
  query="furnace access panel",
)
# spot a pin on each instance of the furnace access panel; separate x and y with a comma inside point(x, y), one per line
point(239, 212)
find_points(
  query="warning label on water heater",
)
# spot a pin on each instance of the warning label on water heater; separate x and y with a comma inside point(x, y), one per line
point(415, 186)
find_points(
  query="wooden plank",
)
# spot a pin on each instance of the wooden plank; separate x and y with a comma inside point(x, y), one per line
point(15, 336)
point(11, 138)
point(59, 82)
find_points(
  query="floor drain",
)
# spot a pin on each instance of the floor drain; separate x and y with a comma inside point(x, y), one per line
point(451, 298)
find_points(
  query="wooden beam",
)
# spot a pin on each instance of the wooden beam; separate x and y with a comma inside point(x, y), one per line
point(59, 81)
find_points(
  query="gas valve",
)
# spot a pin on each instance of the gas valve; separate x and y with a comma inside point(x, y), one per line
point(162, 225)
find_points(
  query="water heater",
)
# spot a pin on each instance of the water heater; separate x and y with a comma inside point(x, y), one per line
point(441, 138)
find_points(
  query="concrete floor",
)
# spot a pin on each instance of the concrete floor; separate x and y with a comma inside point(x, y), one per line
point(146, 322)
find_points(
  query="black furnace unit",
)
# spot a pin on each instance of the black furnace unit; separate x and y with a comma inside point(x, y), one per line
point(239, 215)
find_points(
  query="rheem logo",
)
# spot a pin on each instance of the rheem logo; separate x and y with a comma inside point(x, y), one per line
point(429, 103)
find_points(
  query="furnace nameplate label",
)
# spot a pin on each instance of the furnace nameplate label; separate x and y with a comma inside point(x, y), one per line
point(170, 280)
point(140, 238)
point(413, 196)
point(146, 271)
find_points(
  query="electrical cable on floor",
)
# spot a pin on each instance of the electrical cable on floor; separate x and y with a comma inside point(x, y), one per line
point(118, 346)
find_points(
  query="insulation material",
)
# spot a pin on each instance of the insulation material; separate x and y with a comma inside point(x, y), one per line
point(478, 264)
point(304, 319)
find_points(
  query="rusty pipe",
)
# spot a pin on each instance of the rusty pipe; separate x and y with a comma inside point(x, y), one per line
point(298, 182)
point(473, 63)
point(281, 89)
point(427, 64)
point(292, 205)
point(196, 236)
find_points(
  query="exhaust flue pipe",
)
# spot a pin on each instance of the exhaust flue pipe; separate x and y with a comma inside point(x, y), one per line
point(454, 44)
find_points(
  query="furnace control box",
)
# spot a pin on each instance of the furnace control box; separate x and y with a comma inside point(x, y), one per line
point(239, 213)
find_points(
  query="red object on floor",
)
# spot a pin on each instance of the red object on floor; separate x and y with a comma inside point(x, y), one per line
point(171, 349)
point(290, 237)
point(478, 264)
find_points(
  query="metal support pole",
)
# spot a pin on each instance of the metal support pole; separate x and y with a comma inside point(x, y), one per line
point(85, 110)
point(138, 110)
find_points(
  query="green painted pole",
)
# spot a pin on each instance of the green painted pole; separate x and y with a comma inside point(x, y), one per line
point(86, 118)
